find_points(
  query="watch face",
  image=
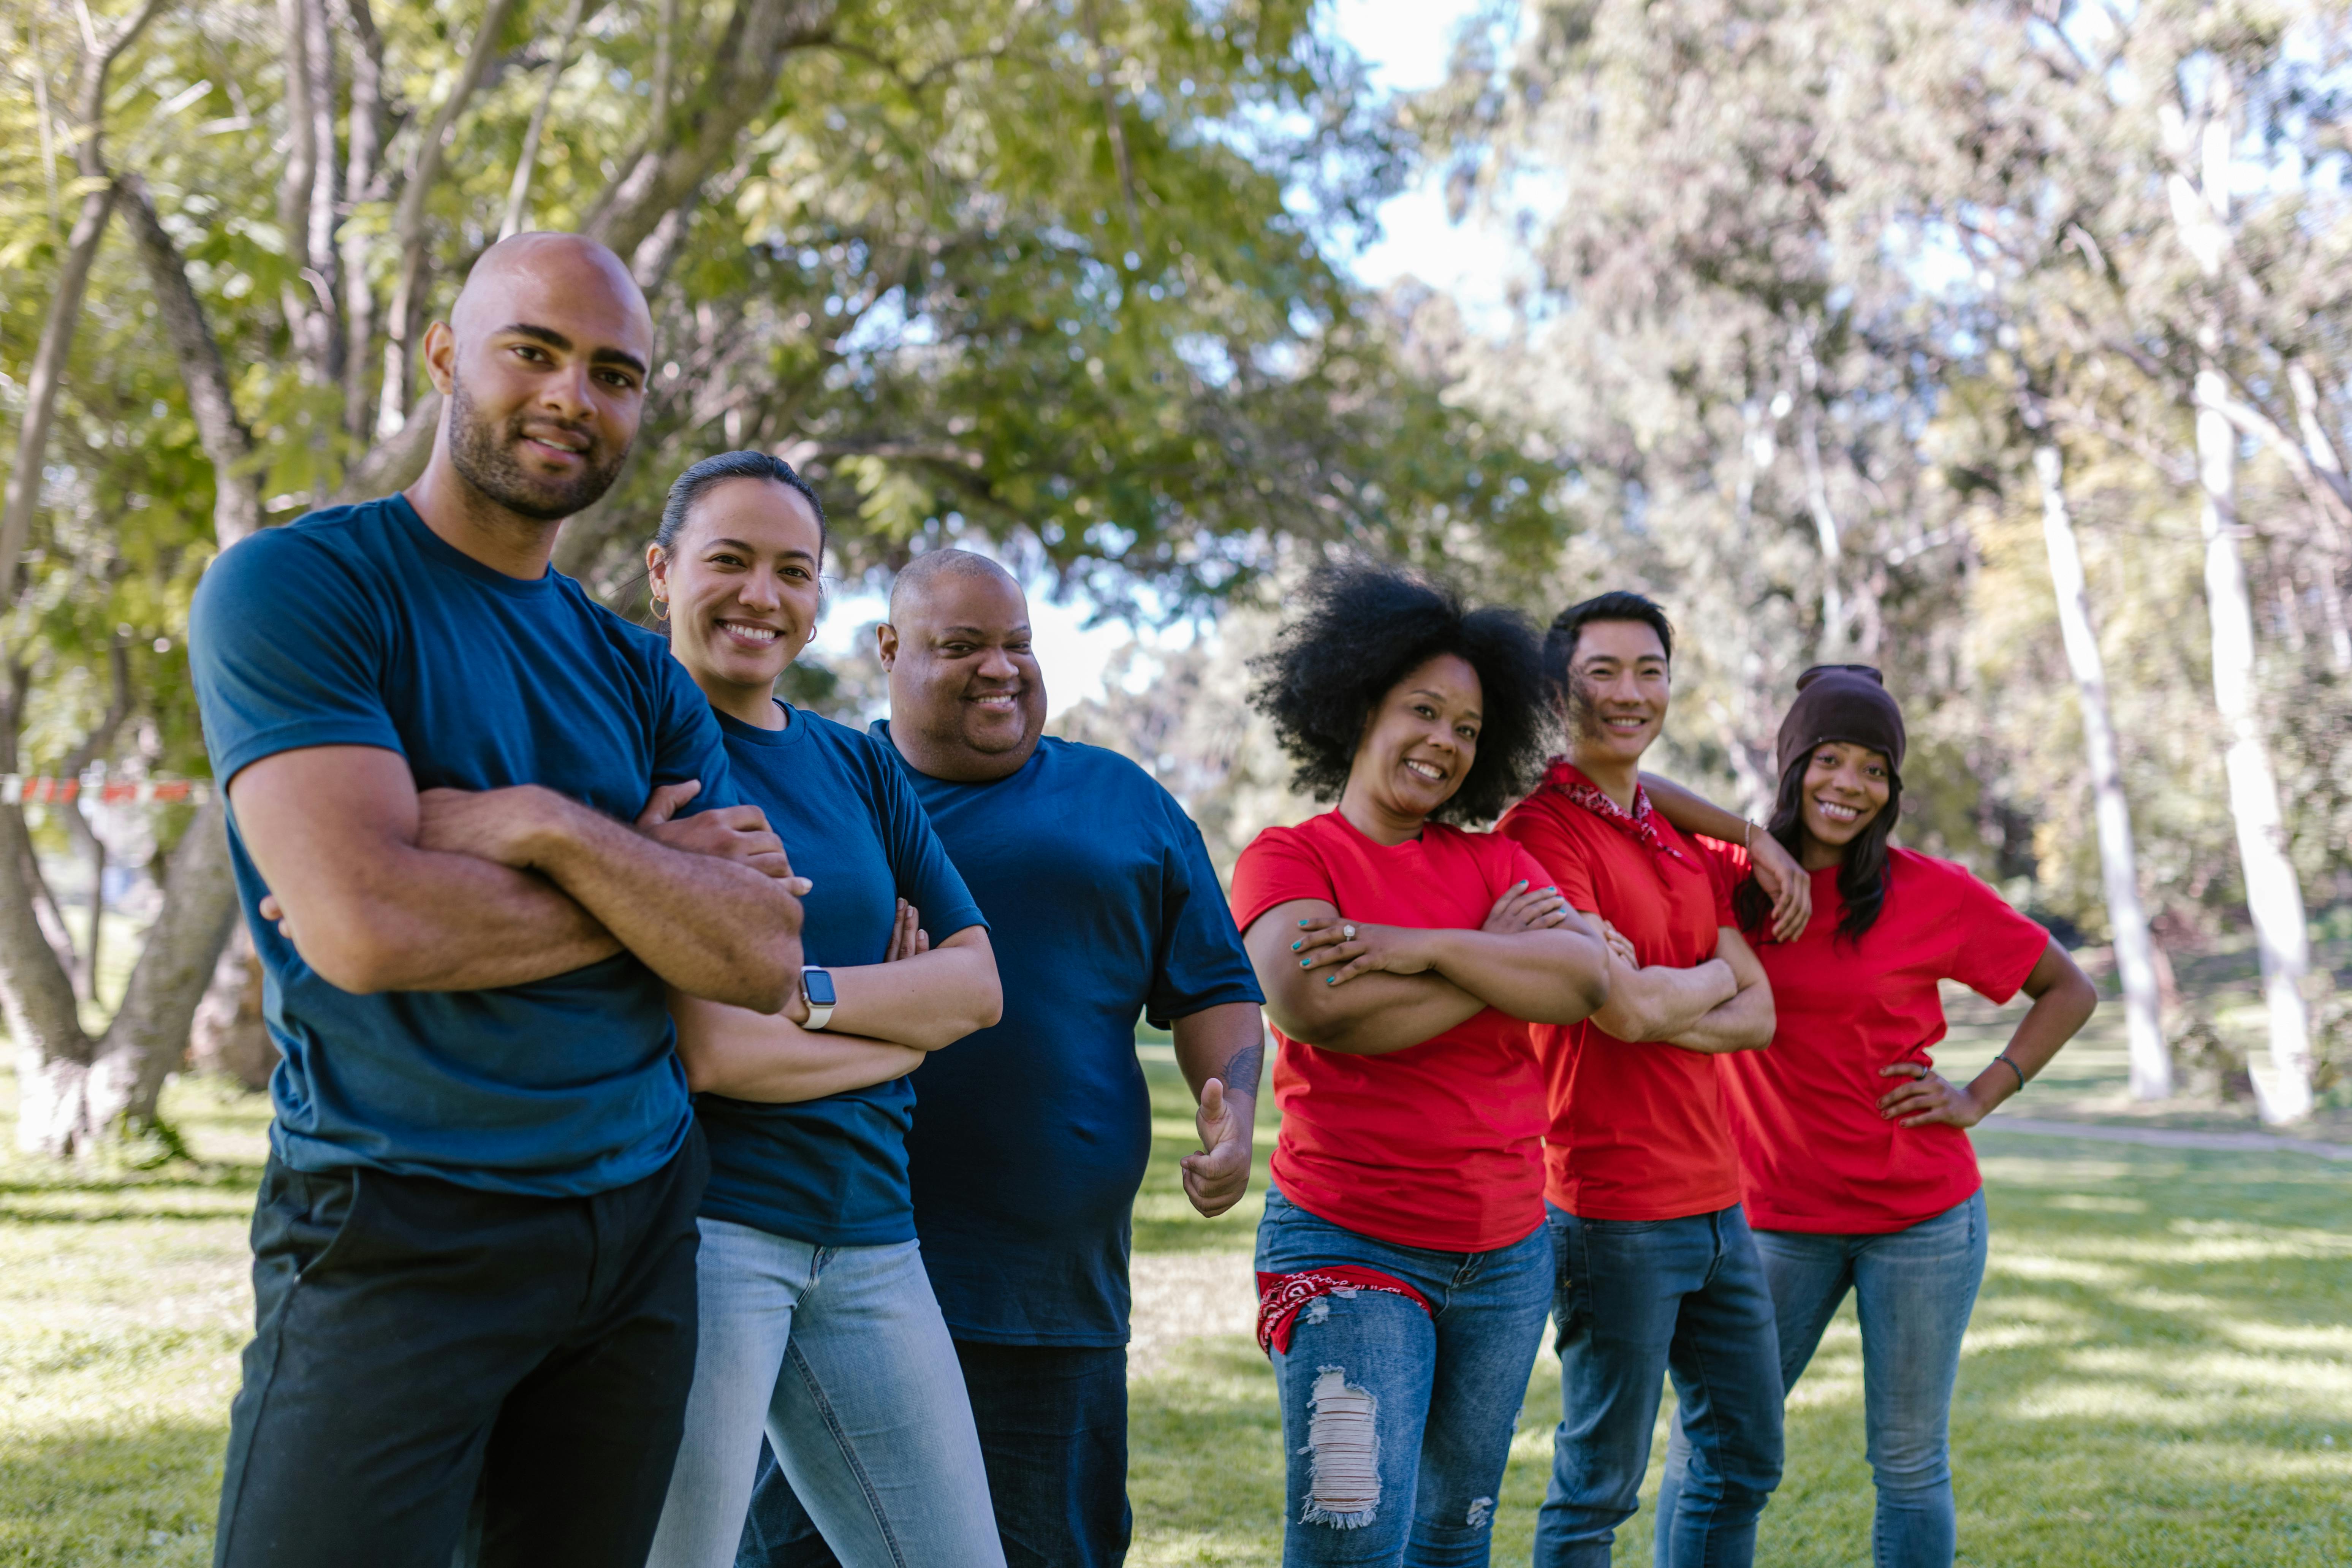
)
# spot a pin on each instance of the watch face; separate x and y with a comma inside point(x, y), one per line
point(819, 986)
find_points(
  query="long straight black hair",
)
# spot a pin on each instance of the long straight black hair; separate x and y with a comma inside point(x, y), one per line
point(1861, 877)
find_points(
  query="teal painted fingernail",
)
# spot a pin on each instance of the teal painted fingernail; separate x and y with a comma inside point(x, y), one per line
point(1302, 925)
point(1296, 945)
point(1306, 964)
point(1330, 980)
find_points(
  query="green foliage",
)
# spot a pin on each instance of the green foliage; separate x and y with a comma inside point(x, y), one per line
point(1769, 229)
point(1056, 277)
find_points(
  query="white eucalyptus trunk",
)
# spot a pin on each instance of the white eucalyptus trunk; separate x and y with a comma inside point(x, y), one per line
point(2273, 896)
point(2150, 1062)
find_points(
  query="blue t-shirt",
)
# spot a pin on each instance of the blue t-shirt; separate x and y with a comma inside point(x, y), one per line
point(1031, 1138)
point(833, 1171)
point(360, 626)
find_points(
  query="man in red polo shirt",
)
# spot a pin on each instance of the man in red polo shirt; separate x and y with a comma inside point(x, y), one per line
point(1656, 1272)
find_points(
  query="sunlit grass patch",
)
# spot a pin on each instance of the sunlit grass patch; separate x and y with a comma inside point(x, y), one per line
point(123, 1304)
point(2159, 1373)
point(2159, 1370)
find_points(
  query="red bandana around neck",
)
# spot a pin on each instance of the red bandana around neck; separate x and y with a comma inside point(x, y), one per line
point(1641, 824)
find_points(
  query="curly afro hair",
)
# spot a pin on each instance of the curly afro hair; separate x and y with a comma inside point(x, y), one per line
point(1361, 628)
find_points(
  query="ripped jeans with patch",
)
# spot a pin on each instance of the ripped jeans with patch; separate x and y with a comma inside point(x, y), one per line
point(1398, 1406)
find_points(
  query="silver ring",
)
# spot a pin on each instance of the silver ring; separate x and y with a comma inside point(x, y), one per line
point(1346, 933)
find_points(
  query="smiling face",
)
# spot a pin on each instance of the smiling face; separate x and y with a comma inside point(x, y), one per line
point(1418, 744)
point(967, 699)
point(1845, 788)
point(1619, 685)
point(543, 360)
point(742, 588)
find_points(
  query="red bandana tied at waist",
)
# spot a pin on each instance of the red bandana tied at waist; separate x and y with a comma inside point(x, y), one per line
point(1280, 1298)
point(1640, 823)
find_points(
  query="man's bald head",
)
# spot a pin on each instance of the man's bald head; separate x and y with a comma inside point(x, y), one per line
point(967, 700)
point(543, 359)
point(520, 277)
point(915, 579)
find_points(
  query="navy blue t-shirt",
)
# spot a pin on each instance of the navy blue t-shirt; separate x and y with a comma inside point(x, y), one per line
point(833, 1171)
point(1102, 906)
point(360, 626)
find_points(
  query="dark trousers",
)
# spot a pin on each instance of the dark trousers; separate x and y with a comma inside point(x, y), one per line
point(417, 1341)
point(1052, 1432)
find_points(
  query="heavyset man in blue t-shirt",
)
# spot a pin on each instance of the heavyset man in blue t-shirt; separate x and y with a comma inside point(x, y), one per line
point(478, 822)
point(1030, 1138)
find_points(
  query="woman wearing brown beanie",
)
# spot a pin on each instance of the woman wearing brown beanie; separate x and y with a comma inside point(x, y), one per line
point(1857, 1169)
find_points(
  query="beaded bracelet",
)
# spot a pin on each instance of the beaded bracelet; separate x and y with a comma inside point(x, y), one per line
point(2003, 1060)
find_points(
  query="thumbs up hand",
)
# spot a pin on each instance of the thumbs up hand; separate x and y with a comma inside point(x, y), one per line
point(1216, 1178)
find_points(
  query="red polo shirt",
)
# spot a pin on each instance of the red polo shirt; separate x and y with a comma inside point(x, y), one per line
point(1437, 1145)
point(1637, 1128)
point(1815, 1153)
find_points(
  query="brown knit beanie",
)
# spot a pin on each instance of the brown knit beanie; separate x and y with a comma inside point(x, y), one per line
point(1846, 702)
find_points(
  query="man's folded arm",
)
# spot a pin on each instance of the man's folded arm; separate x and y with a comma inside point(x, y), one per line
point(333, 829)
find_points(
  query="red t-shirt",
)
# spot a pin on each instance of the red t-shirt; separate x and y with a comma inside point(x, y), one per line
point(1813, 1150)
point(1437, 1145)
point(1637, 1128)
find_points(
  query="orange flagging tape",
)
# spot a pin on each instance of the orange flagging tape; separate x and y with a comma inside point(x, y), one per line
point(17, 790)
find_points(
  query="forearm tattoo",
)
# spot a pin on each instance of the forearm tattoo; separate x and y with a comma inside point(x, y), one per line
point(1242, 1069)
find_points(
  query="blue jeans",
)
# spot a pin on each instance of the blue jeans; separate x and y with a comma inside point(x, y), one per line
point(841, 1356)
point(1053, 1428)
point(1397, 1424)
point(1641, 1300)
point(1914, 1290)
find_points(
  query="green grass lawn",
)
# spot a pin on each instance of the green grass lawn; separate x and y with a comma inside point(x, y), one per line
point(2159, 1373)
point(2160, 1370)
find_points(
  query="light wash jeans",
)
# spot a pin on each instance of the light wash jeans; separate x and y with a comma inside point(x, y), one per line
point(1641, 1300)
point(841, 1355)
point(1372, 1383)
point(1914, 1290)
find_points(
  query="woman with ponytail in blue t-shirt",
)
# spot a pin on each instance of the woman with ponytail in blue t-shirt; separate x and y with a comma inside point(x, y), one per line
point(818, 1324)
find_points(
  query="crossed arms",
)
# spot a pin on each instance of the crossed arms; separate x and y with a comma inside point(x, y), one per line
point(381, 889)
point(1368, 990)
point(1721, 1004)
point(888, 1016)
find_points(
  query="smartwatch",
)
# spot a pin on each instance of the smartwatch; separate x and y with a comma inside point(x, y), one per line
point(816, 985)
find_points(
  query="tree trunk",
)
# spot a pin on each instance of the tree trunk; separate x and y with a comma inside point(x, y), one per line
point(46, 380)
point(394, 462)
point(227, 1034)
point(2151, 1061)
point(2273, 896)
point(149, 1037)
point(363, 182)
point(403, 317)
point(237, 497)
point(23, 494)
point(1832, 645)
point(527, 160)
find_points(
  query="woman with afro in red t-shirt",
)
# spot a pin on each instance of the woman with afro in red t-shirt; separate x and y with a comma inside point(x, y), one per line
point(1404, 1270)
point(1857, 1169)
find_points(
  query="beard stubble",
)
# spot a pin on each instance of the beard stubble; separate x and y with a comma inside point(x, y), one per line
point(484, 454)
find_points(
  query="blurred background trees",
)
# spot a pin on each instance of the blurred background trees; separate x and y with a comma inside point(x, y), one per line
point(1998, 344)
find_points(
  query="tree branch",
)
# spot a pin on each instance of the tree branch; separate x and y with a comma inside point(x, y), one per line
point(408, 219)
point(699, 133)
point(237, 500)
